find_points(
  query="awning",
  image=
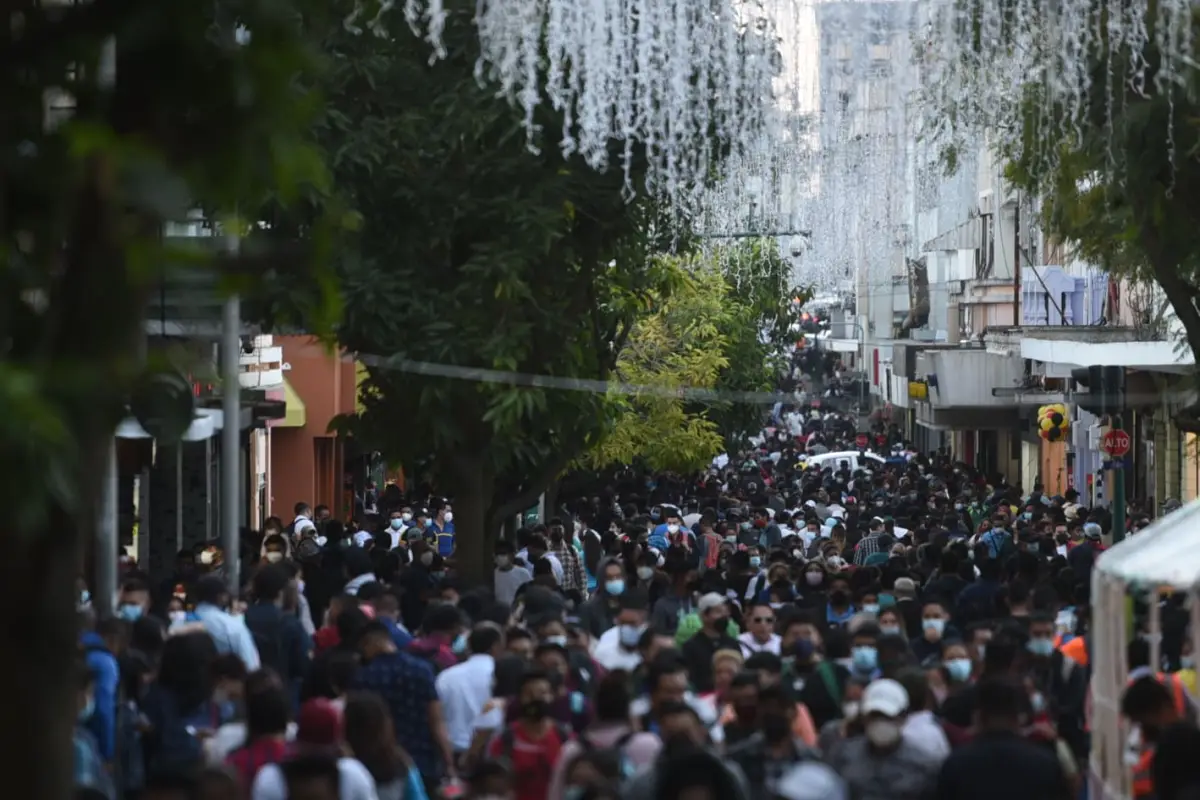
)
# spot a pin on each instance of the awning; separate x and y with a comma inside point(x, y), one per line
point(296, 415)
point(204, 425)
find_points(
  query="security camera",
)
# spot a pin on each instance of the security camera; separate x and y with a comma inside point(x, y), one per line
point(247, 344)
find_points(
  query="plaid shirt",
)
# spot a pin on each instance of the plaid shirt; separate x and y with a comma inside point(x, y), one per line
point(868, 546)
point(763, 771)
point(574, 575)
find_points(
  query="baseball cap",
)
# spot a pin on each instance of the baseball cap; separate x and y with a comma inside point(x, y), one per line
point(1092, 530)
point(884, 696)
point(710, 601)
point(904, 587)
point(304, 524)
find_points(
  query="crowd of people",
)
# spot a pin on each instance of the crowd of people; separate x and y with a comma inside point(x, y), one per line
point(766, 629)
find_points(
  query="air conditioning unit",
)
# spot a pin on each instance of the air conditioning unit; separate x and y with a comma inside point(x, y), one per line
point(985, 202)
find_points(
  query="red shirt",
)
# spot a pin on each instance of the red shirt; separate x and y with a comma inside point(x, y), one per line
point(247, 761)
point(532, 760)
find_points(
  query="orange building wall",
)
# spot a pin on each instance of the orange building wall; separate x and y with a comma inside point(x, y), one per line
point(307, 463)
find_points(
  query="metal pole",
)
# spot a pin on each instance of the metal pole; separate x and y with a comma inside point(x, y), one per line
point(231, 489)
point(1118, 503)
point(107, 539)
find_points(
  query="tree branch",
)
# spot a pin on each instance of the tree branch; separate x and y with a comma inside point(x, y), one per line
point(524, 499)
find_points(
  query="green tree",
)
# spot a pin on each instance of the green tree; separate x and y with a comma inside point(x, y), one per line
point(190, 119)
point(679, 348)
point(494, 263)
point(1120, 183)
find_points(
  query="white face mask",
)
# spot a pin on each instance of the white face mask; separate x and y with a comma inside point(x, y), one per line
point(448, 516)
point(274, 556)
point(645, 573)
point(672, 528)
point(178, 617)
point(406, 516)
point(427, 558)
point(883, 732)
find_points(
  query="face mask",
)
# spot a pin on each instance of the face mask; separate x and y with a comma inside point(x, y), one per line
point(396, 523)
point(426, 559)
point(850, 710)
point(1040, 647)
point(865, 658)
point(85, 597)
point(448, 516)
point(615, 588)
point(936, 626)
point(503, 562)
point(731, 539)
point(645, 573)
point(814, 578)
point(883, 732)
point(871, 608)
point(1037, 702)
point(776, 727)
point(839, 598)
point(958, 506)
point(959, 669)
point(460, 644)
point(535, 709)
point(274, 556)
point(672, 528)
point(86, 712)
point(178, 617)
point(629, 635)
point(406, 517)
point(130, 612)
point(890, 630)
point(557, 641)
point(428, 523)
point(755, 561)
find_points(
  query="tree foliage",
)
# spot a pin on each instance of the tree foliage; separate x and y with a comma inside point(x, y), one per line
point(1121, 183)
point(190, 118)
point(499, 265)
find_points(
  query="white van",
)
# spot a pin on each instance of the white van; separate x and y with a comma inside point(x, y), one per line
point(857, 460)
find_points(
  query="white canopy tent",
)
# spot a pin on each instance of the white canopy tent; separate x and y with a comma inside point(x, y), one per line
point(1163, 558)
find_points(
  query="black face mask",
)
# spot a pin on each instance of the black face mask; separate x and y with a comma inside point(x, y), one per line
point(839, 597)
point(535, 710)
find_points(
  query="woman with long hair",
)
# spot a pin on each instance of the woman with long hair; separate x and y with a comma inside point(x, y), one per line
point(372, 741)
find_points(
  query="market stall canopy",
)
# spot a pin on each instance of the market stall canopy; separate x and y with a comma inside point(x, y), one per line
point(1165, 553)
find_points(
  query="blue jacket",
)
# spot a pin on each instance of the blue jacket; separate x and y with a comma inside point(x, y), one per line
point(106, 680)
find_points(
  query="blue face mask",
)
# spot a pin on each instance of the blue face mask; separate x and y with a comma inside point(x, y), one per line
point(959, 669)
point(756, 561)
point(130, 612)
point(871, 608)
point(937, 626)
point(890, 630)
point(615, 588)
point(864, 658)
point(1040, 647)
point(397, 524)
point(460, 644)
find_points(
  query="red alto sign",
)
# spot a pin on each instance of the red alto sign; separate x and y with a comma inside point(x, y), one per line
point(1115, 443)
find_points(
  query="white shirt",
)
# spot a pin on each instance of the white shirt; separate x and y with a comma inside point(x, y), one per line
point(555, 565)
point(230, 737)
point(355, 782)
point(229, 634)
point(924, 733)
point(750, 645)
point(463, 690)
point(610, 655)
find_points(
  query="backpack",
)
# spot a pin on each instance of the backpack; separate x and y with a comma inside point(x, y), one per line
point(712, 553)
point(268, 640)
point(616, 750)
point(828, 677)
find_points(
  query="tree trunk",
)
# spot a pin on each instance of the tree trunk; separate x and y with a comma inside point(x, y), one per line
point(551, 494)
point(471, 485)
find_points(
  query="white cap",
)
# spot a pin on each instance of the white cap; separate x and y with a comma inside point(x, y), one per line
point(361, 538)
point(812, 780)
point(303, 524)
point(710, 601)
point(884, 696)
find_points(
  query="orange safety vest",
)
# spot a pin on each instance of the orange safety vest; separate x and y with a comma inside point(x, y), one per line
point(1143, 776)
point(1075, 649)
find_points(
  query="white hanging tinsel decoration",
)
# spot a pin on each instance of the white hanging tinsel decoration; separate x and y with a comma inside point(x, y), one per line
point(839, 110)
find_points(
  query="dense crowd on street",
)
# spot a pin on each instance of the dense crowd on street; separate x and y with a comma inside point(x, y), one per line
point(791, 623)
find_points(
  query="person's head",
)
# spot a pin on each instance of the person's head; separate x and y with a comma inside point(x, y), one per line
point(760, 621)
point(486, 639)
point(270, 581)
point(1148, 704)
point(776, 713)
point(864, 652)
point(956, 658)
point(519, 641)
point(891, 622)
point(612, 698)
point(631, 617)
point(667, 678)
point(134, 601)
point(442, 619)
point(839, 590)
point(999, 701)
point(768, 667)
point(229, 678)
point(933, 620)
point(555, 660)
point(797, 628)
point(303, 509)
point(375, 640)
point(725, 664)
point(537, 547)
point(679, 722)
point(714, 612)
point(743, 695)
point(322, 513)
point(894, 654)
point(535, 694)
point(267, 709)
point(883, 708)
point(1041, 635)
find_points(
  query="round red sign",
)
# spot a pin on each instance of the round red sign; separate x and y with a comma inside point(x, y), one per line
point(861, 440)
point(1115, 443)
